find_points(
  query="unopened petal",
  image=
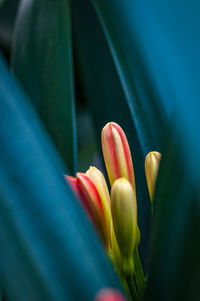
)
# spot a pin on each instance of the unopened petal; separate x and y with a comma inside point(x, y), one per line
point(116, 152)
point(124, 215)
point(93, 205)
point(152, 163)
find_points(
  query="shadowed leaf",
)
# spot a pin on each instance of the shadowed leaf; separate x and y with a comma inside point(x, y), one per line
point(42, 61)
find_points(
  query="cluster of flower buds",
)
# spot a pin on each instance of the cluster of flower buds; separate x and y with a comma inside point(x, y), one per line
point(118, 161)
point(115, 215)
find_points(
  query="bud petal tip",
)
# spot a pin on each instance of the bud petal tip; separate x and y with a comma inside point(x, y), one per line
point(152, 162)
point(116, 153)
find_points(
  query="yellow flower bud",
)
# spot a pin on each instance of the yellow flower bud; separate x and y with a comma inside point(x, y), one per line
point(124, 214)
point(152, 162)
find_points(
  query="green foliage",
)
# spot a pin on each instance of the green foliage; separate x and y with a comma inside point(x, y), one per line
point(43, 63)
point(136, 62)
point(153, 73)
point(48, 248)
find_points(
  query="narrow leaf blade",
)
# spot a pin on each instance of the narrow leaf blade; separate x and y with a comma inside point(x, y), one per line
point(43, 63)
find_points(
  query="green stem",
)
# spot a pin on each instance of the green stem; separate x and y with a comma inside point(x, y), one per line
point(132, 288)
point(139, 274)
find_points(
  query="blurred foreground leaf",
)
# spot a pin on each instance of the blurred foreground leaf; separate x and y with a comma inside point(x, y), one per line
point(43, 63)
point(48, 248)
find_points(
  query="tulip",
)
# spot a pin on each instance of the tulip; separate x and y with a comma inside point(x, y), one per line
point(152, 162)
point(116, 152)
point(93, 204)
point(124, 215)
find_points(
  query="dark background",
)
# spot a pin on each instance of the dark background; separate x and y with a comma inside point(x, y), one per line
point(7, 18)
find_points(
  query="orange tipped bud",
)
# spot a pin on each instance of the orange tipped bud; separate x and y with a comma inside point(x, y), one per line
point(116, 152)
point(93, 204)
point(124, 214)
point(152, 162)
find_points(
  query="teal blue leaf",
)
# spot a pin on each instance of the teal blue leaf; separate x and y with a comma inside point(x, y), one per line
point(123, 23)
point(175, 261)
point(102, 91)
point(49, 250)
point(43, 63)
point(175, 247)
point(156, 51)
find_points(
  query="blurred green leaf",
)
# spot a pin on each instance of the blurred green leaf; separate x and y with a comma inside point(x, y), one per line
point(48, 248)
point(43, 63)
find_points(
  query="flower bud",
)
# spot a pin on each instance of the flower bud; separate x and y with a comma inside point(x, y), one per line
point(98, 179)
point(124, 215)
point(109, 295)
point(152, 162)
point(93, 204)
point(116, 152)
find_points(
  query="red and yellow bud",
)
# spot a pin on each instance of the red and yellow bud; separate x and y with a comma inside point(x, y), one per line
point(93, 204)
point(98, 179)
point(124, 215)
point(116, 152)
point(152, 162)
